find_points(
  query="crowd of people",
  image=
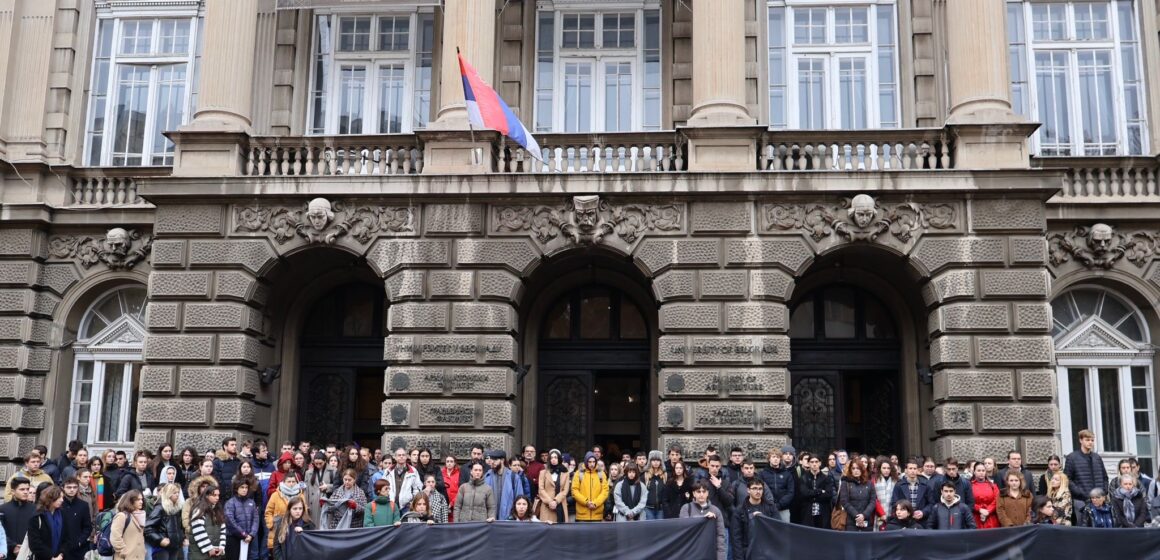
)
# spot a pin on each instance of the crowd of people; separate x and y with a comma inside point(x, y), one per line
point(238, 503)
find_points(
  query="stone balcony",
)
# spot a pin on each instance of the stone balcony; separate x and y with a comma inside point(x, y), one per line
point(1111, 187)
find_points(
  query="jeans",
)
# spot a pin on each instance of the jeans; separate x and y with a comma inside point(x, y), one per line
point(651, 514)
point(1077, 509)
point(728, 547)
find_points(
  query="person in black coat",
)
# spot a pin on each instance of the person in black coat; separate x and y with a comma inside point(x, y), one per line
point(779, 482)
point(138, 478)
point(78, 521)
point(815, 492)
point(163, 528)
point(677, 493)
point(1085, 470)
point(17, 513)
point(46, 531)
point(743, 518)
point(916, 491)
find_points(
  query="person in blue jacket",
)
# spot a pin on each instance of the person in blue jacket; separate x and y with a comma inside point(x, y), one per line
point(505, 483)
point(914, 489)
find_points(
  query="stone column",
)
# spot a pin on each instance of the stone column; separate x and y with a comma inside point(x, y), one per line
point(213, 144)
point(28, 31)
point(468, 25)
point(719, 91)
point(989, 134)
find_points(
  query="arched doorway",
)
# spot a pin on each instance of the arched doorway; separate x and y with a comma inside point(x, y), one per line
point(340, 382)
point(594, 362)
point(844, 365)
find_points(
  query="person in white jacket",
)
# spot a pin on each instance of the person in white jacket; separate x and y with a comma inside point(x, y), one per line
point(630, 495)
point(404, 479)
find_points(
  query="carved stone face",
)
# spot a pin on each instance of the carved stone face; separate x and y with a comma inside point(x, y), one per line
point(862, 210)
point(1100, 238)
point(585, 209)
point(319, 214)
point(117, 240)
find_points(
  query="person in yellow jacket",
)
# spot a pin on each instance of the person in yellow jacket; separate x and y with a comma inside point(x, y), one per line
point(590, 490)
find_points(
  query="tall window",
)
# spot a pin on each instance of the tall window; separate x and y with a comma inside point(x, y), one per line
point(144, 83)
point(372, 73)
point(598, 70)
point(1075, 67)
point(107, 371)
point(832, 65)
point(1104, 377)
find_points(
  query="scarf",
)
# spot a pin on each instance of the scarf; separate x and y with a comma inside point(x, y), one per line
point(56, 526)
point(335, 514)
point(1102, 516)
point(139, 517)
point(1126, 499)
point(289, 490)
point(630, 493)
point(98, 485)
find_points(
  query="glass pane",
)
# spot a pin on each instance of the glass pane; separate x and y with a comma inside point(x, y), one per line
point(394, 33)
point(559, 323)
point(1113, 436)
point(838, 312)
point(1061, 312)
point(809, 26)
point(132, 104)
point(1131, 329)
point(1051, 75)
point(811, 93)
point(95, 325)
point(354, 34)
point(1113, 310)
point(1146, 464)
point(174, 36)
point(391, 91)
point(545, 70)
point(112, 399)
point(577, 97)
point(110, 308)
point(595, 315)
point(1049, 21)
point(851, 25)
point(1091, 21)
point(852, 88)
point(1141, 419)
point(801, 322)
point(1086, 301)
point(617, 96)
point(619, 31)
point(1139, 376)
point(352, 88)
point(1143, 446)
point(878, 321)
point(632, 324)
point(170, 107)
point(578, 31)
point(136, 36)
point(1077, 402)
point(133, 300)
point(1096, 102)
point(1140, 399)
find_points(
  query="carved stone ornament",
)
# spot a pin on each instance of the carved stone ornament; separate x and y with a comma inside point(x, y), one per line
point(120, 249)
point(860, 218)
point(322, 222)
point(1101, 246)
point(588, 220)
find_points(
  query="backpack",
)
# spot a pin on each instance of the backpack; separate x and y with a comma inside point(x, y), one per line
point(104, 541)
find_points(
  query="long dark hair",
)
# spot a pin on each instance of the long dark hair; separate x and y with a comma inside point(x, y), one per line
point(193, 455)
point(47, 497)
point(212, 512)
point(358, 465)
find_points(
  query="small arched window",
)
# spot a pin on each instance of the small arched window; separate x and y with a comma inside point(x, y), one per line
point(107, 369)
point(594, 313)
point(1104, 374)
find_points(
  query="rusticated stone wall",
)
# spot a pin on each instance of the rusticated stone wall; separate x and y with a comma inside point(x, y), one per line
point(721, 272)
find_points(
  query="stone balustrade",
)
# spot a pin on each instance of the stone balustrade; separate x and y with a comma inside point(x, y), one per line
point(861, 150)
point(312, 156)
point(1105, 179)
point(631, 152)
point(104, 187)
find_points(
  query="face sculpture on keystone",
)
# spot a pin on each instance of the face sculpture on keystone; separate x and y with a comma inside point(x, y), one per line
point(319, 213)
point(862, 210)
point(1100, 238)
point(117, 242)
point(586, 208)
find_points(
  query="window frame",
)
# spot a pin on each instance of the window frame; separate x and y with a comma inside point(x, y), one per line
point(1122, 355)
point(101, 350)
point(1072, 47)
point(194, 12)
point(372, 60)
point(598, 56)
point(832, 52)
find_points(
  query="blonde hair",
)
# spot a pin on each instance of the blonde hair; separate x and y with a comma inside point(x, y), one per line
point(166, 494)
point(1055, 494)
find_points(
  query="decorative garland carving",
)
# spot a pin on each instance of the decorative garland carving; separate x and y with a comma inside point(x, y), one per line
point(120, 249)
point(860, 218)
point(1101, 246)
point(321, 222)
point(587, 219)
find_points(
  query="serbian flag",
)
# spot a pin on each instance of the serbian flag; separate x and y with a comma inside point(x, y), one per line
point(486, 109)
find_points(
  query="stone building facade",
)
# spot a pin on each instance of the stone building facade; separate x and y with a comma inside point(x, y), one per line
point(203, 233)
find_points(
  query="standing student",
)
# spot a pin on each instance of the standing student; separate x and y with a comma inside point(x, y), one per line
point(857, 497)
point(288, 527)
point(654, 481)
point(344, 507)
point(208, 526)
point(46, 531)
point(78, 521)
point(475, 501)
point(745, 513)
point(950, 512)
point(450, 474)
point(127, 533)
point(17, 513)
point(1128, 501)
point(986, 494)
point(1062, 500)
point(1014, 506)
point(243, 518)
point(1054, 465)
point(1099, 513)
point(884, 480)
point(816, 492)
point(630, 495)
point(1085, 470)
point(553, 488)
point(914, 489)
point(590, 490)
point(102, 485)
point(701, 507)
point(678, 490)
point(163, 529)
point(436, 504)
point(382, 511)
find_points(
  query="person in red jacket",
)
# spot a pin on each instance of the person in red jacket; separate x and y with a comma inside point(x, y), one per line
point(450, 474)
point(285, 463)
point(986, 494)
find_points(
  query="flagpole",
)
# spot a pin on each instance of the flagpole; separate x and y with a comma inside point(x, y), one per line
point(476, 157)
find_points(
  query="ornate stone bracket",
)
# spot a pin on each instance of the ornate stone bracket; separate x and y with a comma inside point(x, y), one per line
point(1101, 246)
point(321, 222)
point(120, 249)
point(859, 219)
point(588, 220)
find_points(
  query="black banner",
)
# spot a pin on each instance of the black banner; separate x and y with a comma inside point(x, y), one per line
point(669, 538)
point(778, 540)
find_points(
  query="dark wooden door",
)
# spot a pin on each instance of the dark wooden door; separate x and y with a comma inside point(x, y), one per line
point(856, 410)
point(565, 405)
point(325, 397)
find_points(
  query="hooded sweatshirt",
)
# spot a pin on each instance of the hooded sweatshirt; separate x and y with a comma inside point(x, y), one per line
point(952, 515)
point(285, 463)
